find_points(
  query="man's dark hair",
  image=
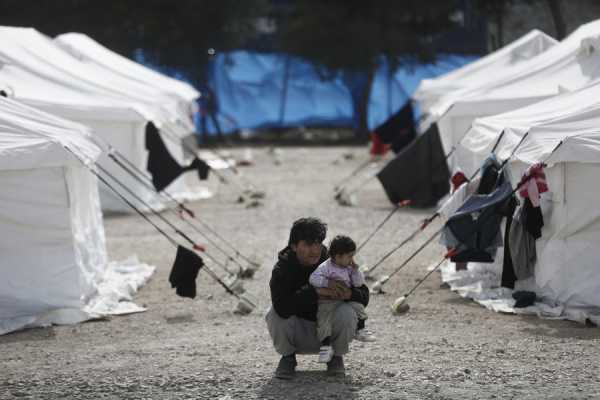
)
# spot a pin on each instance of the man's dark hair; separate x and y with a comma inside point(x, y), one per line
point(311, 230)
point(341, 245)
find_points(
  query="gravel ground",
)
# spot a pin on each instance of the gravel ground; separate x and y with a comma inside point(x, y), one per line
point(444, 348)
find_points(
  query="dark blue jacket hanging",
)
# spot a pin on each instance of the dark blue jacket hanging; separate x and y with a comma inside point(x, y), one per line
point(474, 230)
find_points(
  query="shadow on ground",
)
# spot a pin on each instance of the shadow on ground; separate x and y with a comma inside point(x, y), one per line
point(310, 385)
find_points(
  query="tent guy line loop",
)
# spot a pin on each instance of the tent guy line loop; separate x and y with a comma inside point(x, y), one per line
point(398, 206)
point(189, 212)
point(358, 188)
point(426, 221)
point(421, 228)
point(378, 285)
point(208, 270)
point(215, 171)
point(195, 245)
point(148, 184)
point(340, 185)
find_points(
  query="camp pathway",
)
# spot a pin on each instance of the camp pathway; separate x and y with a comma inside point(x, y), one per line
point(445, 347)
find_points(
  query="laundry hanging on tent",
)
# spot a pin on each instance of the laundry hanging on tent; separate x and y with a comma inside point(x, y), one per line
point(522, 246)
point(399, 130)
point(419, 172)
point(474, 230)
point(490, 173)
point(378, 148)
point(457, 180)
point(161, 164)
point(508, 277)
point(533, 184)
point(185, 271)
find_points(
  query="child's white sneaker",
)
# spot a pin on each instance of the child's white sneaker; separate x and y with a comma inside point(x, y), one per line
point(325, 354)
point(363, 335)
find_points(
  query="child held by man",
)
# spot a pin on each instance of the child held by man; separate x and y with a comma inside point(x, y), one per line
point(339, 266)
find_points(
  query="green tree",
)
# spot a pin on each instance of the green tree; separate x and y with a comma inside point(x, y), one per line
point(357, 35)
point(172, 33)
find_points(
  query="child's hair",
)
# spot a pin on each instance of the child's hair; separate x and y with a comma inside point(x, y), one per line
point(341, 245)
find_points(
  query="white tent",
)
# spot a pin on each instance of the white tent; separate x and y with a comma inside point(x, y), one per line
point(51, 234)
point(571, 64)
point(89, 51)
point(485, 132)
point(39, 73)
point(566, 277)
point(481, 71)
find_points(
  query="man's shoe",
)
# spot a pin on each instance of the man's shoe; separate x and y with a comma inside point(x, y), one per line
point(336, 366)
point(287, 367)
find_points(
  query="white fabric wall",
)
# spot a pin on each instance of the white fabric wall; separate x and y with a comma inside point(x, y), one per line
point(38, 263)
point(87, 228)
point(568, 267)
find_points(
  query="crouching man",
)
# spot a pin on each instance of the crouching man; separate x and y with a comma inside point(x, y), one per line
point(291, 320)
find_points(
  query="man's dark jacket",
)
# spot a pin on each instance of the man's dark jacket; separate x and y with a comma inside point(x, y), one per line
point(291, 294)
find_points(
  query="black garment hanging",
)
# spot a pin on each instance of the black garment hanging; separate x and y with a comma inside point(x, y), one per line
point(532, 219)
point(185, 271)
point(490, 173)
point(161, 164)
point(508, 272)
point(398, 130)
point(419, 172)
point(476, 225)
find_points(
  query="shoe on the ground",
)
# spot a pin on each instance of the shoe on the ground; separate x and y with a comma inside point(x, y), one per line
point(336, 366)
point(287, 367)
point(364, 335)
point(325, 354)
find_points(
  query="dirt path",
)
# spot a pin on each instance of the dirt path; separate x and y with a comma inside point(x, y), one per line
point(445, 347)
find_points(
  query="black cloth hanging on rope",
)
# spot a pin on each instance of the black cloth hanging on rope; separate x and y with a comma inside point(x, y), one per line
point(508, 270)
point(398, 130)
point(185, 271)
point(199, 165)
point(161, 164)
point(418, 173)
point(475, 227)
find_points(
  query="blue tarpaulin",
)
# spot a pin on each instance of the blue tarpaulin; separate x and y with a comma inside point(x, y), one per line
point(392, 89)
point(255, 90)
point(265, 90)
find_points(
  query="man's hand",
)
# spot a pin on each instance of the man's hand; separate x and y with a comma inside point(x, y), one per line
point(340, 290)
point(325, 293)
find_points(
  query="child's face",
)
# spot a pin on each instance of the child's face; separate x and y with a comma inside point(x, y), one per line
point(344, 260)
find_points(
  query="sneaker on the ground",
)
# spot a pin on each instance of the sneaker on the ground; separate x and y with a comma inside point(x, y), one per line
point(336, 366)
point(364, 335)
point(287, 367)
point(325, 354)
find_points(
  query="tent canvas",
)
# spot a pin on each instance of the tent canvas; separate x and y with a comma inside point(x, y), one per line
point(571, 64)
point(566, 276)
point(52, 238)
point(480, 71)
point(89, 51)
point(63, 87)
point(484, 132)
